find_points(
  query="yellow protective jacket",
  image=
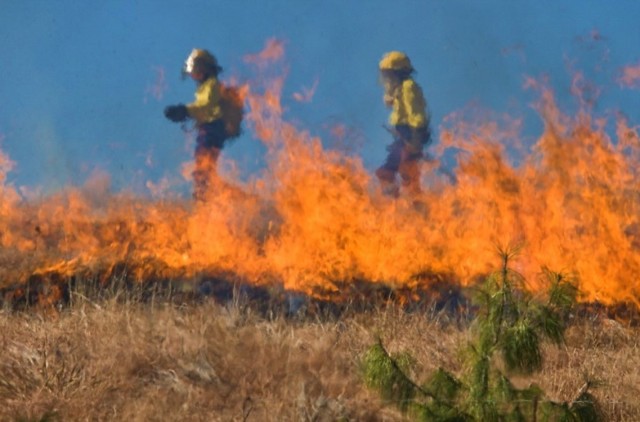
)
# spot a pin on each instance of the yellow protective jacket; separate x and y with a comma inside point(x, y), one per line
point(409, 106)
point(206, 107)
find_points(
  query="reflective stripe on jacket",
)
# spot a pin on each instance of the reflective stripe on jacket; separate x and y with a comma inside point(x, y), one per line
point(409, 106)
point(206, 107)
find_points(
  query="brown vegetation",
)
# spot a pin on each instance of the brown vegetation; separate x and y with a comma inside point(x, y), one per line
point(126, 360)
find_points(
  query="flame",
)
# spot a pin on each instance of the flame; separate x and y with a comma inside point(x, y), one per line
point(630, 76)
point(273, 52)
point(315, 218)
point(306, 94)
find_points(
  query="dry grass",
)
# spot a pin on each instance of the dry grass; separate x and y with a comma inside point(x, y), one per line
point(132, 361)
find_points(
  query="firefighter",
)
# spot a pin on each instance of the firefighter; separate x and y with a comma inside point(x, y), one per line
point(206, 112)
point(409, 124)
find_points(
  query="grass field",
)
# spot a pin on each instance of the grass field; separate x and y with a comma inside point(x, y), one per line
point(123, 359)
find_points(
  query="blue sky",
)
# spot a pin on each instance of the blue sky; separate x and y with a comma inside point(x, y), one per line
point(75, 75)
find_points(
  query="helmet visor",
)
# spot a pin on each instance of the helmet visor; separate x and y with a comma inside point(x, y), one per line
point(188, 66)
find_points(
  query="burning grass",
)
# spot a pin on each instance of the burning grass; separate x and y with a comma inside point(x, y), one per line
point(128, 358)
point(138, 302)
point(314, 221)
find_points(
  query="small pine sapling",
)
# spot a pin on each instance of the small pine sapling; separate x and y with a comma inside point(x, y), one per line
point(507, 332)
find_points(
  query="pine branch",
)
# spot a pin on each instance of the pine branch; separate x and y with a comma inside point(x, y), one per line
point(583, 389)
point(399, 370)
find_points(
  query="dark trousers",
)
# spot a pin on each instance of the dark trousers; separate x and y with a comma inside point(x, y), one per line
point(404, 158)
point(209, 143)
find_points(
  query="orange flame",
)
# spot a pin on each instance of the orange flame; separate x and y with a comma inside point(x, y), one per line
point(273, 51)
point(306, 94)
point(315, 218)
point(630, 76)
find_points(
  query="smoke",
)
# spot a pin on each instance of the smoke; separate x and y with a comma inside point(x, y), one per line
point(60, 168)
point(158, 87)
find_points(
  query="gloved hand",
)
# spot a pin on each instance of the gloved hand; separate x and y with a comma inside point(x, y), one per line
point(176, 113)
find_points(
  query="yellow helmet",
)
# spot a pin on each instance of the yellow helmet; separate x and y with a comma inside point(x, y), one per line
point(202, 61)
point(395, 60)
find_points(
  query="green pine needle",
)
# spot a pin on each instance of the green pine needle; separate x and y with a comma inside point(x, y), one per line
point(443, 385)
point(385, 374)
point(585, 408)
point(521, 348)
point(550, 324)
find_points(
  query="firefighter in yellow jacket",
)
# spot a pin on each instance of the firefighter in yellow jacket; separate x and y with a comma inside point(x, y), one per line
point(409, 124)
point(206, 112)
